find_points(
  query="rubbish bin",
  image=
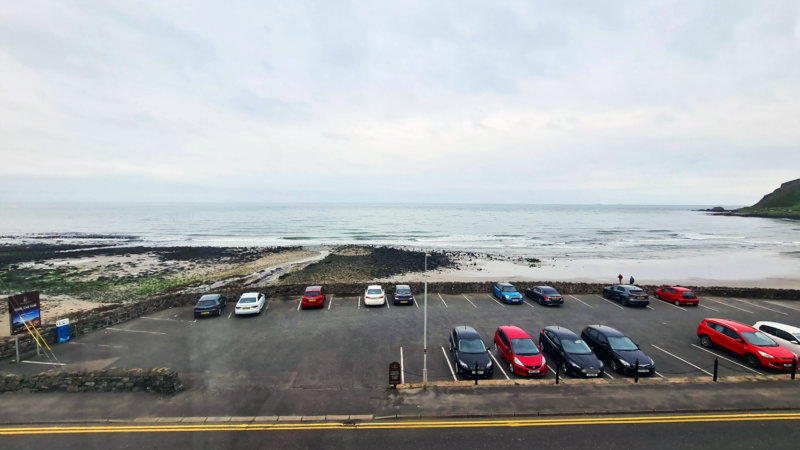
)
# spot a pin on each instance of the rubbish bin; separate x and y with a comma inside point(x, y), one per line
point(62, 330)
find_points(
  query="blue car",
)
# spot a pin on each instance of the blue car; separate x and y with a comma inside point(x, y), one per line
point(507, 292)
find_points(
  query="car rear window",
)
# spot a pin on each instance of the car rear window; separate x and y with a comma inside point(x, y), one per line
point(206, 303)
point(404, 291)
point(312, 293)
point(248, 300)
point(635, 292)
point(549, 291)
point(374, 291)
point(688, 295)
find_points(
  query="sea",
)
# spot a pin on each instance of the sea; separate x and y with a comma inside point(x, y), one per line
point(575, 231)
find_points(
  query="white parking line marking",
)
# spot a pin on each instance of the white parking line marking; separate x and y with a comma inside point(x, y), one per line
point(576, 298)
point(449, 365)
point(330, 302)
point(387, 302)
point(648, 307)
point(134, 331)
point(470, 301)
point(609, 301)
point(415, 302)
point(673, 305)
point(499, 366)
point(270, 301)
point(681, 359)
point(495, 300)
point(707, 307)
point(523, 301)
point(229, 315)
point(42, 362)
point(762, 307)
point(783, 306)
point(607, 374)
point(726, 359)
point(359, 302)
point(169, 320)
point(299, 304)
point(551, 370)
point(402, 374)
point(734, 307)
point(440, 298)
point(662, 376)
point(99, 345)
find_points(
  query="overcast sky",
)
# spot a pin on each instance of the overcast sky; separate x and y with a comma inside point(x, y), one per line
point(663, 102)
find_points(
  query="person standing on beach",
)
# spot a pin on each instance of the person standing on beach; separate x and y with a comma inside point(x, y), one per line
point(631, 279)
point(620, 278)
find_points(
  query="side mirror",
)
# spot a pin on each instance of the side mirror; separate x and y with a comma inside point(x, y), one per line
point(793, 342)
point(739, 341)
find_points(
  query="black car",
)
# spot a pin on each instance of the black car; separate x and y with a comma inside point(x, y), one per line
point(403, 295)
point(545, 295)
point(210, 305)
point(571, 352)
point(471, 355)
point(628, 295)
point(618, 350)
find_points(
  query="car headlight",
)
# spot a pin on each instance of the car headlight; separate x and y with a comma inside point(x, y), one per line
point(766, 355)
point(463, 364)
point(517, 361)
point(489, 366)
point(506, 296)
point(625, 363)
point(574, 365)
point(652, 363)
point(601, 364)
point(544, 361)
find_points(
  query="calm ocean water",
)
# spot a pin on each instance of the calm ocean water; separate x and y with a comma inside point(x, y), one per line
point(638, 232)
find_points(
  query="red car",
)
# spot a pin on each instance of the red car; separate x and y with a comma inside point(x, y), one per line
point(678, 295)
point(520, 352)
point(314, 296)
point(755, 347)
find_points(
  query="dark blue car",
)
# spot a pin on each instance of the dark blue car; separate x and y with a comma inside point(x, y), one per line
point(628, 295)
point(210, 305)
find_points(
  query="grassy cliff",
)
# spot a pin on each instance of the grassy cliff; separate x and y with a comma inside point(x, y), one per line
point(782, 202)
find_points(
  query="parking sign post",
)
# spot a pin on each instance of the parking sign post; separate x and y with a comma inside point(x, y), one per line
point(794, 366)
point(716, 365)
point(636, 377)
point(425, 329)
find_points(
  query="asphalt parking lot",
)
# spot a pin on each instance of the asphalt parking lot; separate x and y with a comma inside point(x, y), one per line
point(347, 345)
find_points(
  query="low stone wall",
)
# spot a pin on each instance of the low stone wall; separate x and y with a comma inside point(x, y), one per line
point(88, 321)
point(160, 381)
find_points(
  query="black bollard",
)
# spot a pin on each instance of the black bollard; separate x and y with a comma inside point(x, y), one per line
point(636, 375)
point(794, 366)
point(716, 366)
point(558, 368)
point(476, 373)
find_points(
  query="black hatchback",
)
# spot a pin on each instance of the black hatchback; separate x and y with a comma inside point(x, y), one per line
point(574, 357)
point(621, 353)
point(210, 305)
point(471, 355)
point(628, 295)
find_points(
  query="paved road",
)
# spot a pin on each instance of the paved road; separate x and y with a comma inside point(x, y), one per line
point(654, 432)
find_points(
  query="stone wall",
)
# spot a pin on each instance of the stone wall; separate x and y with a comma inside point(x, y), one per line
point(161, 381)
point(88, 321)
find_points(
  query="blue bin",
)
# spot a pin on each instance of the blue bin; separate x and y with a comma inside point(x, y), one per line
point(62, 330)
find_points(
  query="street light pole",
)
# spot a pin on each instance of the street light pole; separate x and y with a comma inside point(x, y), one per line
point(425, 328)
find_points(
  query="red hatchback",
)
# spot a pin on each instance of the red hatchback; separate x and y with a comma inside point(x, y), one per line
point(678, 295)
point(520, 352)
point(755, 347)
point(314, 296)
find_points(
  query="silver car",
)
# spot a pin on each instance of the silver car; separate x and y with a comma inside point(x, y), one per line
point(786, 336)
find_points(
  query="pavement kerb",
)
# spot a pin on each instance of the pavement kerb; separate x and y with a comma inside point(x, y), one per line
point(499, 415)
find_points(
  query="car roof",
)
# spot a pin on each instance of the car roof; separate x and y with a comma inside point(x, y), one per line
point(738, 326)
point(250, 294)
point(682, 289)
point(562, 332)
point(504, 284)
point(314, 288)
point(402, 286)
point(606, 330)
point(547, 287)
point(211, 297)
point(465, 331)
point(514, 332)
point(782, 326)
point(374, 286)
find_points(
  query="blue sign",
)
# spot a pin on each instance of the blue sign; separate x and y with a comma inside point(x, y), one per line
point(62, 330)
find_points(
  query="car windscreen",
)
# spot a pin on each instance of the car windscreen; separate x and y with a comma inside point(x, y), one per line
point(250, 300)
point(404, 291)
point(471, 346)
point(206, 303)
point(576, 347)
point(688, 295)
point(758, 339)
point(549, 291)
point(524, 347)
point(312, 293)
point(509, 289)
point(374, 291)
point(621, 343)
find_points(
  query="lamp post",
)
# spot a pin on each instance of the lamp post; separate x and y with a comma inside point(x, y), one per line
point(425, 328)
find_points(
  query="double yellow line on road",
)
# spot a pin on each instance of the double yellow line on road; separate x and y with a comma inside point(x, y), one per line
point(394, 425)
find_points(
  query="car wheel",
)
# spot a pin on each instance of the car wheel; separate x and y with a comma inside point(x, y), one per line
point(658, 296)
point(564, 368)
point(624, 302)
point(705, 341)
point(540, 300)
point(677, 303)
point(451, 346)
point(511, 368)
point(605, 295)
point(752, 361)
point(615, 365)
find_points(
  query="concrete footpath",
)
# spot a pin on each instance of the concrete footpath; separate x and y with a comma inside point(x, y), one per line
point(462, 401)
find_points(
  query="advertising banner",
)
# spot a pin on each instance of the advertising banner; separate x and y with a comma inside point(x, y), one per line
point(24, 308)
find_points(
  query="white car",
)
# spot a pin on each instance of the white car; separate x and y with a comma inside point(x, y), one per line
point(786, 336)
point(374, 296)
point(250, 303)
